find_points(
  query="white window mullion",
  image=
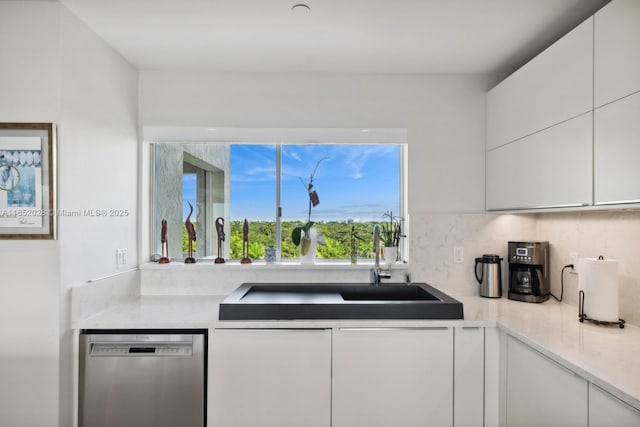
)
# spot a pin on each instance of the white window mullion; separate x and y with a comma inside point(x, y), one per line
point(278, 202)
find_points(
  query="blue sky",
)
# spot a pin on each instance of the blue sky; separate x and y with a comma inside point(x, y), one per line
point(357, 182)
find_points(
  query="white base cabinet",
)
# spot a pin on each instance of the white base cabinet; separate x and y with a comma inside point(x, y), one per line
point(468, 377)
point(393, 377)
point(270, 378)
point(541, 392)
point(605, 410)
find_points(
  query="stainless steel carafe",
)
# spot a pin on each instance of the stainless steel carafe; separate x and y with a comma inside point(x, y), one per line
point(490, 278)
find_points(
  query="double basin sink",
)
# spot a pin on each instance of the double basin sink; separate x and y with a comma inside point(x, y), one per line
point(273, 301)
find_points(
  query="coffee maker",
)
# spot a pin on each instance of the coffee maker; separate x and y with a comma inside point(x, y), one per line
point(529, 271)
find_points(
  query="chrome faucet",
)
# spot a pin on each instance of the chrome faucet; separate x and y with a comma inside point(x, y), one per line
point(378, 273)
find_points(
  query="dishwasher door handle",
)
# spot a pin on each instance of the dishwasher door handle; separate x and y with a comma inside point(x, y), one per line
point(145, 350)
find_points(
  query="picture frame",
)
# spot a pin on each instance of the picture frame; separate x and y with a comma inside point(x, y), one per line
point(28, 181)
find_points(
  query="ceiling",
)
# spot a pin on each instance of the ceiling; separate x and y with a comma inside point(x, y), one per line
point(373, 36)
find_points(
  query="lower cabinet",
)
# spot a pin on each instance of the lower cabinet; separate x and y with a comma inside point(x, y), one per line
point(606, 410)
point(468, 377)
point(270, 378)
point(392, 377)
point(540, 392)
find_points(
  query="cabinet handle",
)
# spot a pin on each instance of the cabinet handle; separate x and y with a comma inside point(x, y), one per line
point(405, 328)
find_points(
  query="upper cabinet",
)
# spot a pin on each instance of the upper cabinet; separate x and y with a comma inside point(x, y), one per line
point(551, 168)
point(616, 51)
point(616, 150)
point(553, 87)
point(541, 151)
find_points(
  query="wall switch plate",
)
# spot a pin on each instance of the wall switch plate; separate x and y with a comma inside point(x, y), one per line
point(458, 254)
point(121, 257)
point(573, 259)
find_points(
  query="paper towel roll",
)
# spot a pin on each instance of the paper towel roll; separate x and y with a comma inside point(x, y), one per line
point(598, 278)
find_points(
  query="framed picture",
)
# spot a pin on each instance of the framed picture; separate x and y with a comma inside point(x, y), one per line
point(27, 181)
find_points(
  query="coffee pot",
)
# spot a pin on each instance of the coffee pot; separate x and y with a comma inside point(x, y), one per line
point(490, 278)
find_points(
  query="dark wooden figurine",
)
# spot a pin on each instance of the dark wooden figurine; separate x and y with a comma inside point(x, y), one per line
point(245, 243)
point(221, 236)
point(191, 233)
point(165, 244)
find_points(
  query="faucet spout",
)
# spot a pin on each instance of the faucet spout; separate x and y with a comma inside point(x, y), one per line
point(377, 272)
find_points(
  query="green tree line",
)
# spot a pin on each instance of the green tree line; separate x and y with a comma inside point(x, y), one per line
point(341, 239)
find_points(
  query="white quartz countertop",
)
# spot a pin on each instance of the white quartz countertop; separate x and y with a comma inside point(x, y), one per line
point(607, 356)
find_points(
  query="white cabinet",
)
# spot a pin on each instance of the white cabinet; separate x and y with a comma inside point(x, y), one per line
point(605, 410)
point(540, 392)
point(553, 87)
point(392, 377)
point(270, 378)
point(549, 168)
point(616, 51)
point(468, 377)
point(617, 151)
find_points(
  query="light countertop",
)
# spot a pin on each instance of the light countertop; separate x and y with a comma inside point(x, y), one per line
point(607, 356)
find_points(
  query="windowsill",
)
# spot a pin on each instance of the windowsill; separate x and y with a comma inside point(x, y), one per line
point(285, 265)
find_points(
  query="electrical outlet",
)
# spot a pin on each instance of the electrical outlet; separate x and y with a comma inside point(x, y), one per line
point(573, 259)
point(458, 254)
point(121, 257)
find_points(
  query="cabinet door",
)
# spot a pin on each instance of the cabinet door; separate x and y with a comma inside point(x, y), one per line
point(552, 168)
point(393, 377)
point(605, 410)
point(617, 151)
point(617, 51)
point(270, 378)
point(468, 377)
point(540, 392)
point(553, 87)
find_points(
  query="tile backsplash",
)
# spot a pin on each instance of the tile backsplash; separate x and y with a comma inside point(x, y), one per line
point(613, 234)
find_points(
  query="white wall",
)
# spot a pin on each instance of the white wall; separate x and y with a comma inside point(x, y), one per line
point(98, 169)
point(444, 116)
point(29, 284)
point(56, 70)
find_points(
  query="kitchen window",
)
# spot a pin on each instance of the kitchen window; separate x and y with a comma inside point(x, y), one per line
point(266, 184)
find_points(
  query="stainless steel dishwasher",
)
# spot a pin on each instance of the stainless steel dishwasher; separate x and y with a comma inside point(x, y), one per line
point(149, 378)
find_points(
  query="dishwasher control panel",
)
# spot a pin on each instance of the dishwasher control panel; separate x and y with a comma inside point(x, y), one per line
point(110, 349)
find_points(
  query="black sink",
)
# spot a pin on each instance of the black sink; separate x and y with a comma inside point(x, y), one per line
point(387, 293)
point(272, 301)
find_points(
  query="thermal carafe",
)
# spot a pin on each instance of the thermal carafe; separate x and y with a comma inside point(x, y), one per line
point(490, 277)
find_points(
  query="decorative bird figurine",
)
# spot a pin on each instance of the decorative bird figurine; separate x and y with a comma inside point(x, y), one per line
point(221, 236)
point(191, 234)
point(245, 243)
point(165, 244)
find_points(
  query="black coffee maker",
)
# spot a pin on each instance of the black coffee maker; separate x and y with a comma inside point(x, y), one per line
point(528, 271)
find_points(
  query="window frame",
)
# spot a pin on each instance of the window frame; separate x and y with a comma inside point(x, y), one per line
point(152, 135)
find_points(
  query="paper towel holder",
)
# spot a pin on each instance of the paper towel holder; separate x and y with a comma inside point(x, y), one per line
point(582, 316)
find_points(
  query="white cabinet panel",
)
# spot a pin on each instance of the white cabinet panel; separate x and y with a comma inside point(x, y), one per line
point(541, 392)
point(270, 378)
point(617, 51)
point(468, 378)
point(605, 410)
point(617, 151)
point(550, 168)
point(554, 86)
point(393, 377)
